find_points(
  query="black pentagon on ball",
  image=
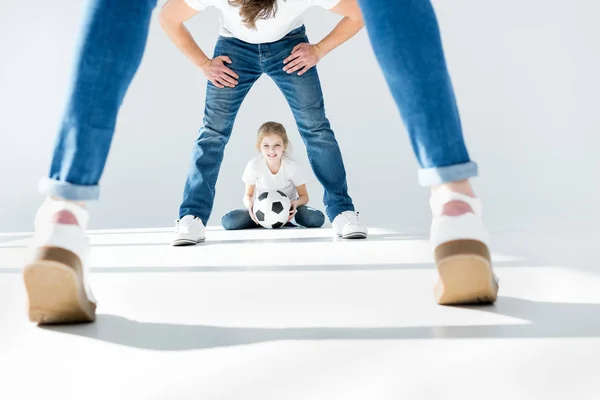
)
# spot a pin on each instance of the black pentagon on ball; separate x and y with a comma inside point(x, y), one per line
point(263, 196)
point(277, 225)
point(277, 207)
point(260, 215)
point(281, 193)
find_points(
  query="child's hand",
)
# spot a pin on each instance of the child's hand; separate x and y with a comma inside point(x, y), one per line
point(251, 212)
point(293, 210)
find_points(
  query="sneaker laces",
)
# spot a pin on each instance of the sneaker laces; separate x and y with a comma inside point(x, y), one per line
point(351, 217)
point(184, 224)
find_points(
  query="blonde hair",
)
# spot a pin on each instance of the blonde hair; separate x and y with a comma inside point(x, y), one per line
point(271, 129)
point(254, 10)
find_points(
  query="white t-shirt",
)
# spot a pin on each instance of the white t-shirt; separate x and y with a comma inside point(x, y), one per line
point(288, 17)
point(286, 179)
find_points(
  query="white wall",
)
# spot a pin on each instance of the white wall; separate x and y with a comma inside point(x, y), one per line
point(525, 75)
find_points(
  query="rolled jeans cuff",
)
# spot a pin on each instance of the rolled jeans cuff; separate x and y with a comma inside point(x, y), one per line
point(451, 173)
point(68, 191)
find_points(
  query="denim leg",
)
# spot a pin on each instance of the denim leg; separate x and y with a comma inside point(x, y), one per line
point(308, 217)
point(406, 40)
point(112, 45)
point(221, 109)
point(305, 98)
point(238, 219)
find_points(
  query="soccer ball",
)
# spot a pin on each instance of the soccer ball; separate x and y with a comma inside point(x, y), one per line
point(272, 209)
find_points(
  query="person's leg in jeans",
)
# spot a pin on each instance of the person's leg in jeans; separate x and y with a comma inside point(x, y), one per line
point(406, 39)
point(113, 41)
point(308, 217)
point(238, 219)
point(305, 98)
point(221, 109)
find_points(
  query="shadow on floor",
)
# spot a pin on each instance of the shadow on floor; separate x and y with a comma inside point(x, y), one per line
point(543, 320)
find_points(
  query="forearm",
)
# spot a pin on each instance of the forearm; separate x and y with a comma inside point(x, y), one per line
point(184, 41)
point(247, 200)
point(343, 31)
point(302, 201)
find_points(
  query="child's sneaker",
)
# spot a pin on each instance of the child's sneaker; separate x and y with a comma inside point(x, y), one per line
point(56, 275)
point(461, 252)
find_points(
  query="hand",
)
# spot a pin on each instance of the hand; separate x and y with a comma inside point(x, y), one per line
point(251, 212)
point(304, 56)
point(221, 76)
point(293, 210)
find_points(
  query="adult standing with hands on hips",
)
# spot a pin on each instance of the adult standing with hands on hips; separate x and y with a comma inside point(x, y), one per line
point(262, 37)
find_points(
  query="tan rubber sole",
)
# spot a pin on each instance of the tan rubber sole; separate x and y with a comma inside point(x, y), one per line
point(466, 275)
point(55, 289)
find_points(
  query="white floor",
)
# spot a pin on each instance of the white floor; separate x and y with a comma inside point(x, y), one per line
point(294, 314)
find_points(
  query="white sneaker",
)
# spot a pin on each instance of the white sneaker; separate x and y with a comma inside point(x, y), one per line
point(461, 253)
point(56, 274)
point(189, 230)
point(347, 226)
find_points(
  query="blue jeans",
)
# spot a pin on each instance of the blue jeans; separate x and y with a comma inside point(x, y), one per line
point(304, 96)
point(405, 36)
point(305, 216)
point(406, 40)
point(112, 45)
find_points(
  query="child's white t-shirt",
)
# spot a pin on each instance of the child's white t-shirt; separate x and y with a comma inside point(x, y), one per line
point(287, 18)
point(286, 179)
